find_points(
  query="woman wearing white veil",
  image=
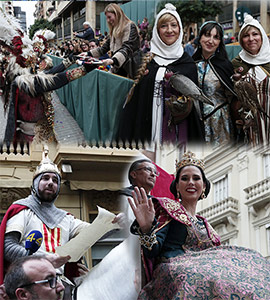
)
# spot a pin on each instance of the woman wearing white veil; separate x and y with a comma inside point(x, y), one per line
point(253, 64)
point(149, 116)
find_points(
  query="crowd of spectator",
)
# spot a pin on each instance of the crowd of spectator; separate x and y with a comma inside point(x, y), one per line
point(144, 33)
point(78, 44)
point(82, 44)
point(75, 46)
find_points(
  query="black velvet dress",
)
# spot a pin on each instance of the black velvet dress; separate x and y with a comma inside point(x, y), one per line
point(136, 118)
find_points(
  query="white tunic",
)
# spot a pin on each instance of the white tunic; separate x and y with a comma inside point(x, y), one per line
point(26, 221)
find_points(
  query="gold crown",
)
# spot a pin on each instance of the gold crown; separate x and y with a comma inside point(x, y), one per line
point(189, 159)
point(46, 165)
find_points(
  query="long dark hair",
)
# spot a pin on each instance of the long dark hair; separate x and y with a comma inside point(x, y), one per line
point(207, 28)
point(175, 181)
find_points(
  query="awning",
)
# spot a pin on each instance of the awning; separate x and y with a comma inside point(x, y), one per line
point(96, 185)
point(13, 183)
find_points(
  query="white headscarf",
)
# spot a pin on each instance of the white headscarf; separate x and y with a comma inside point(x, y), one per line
point(263, 56)
point(158, 47)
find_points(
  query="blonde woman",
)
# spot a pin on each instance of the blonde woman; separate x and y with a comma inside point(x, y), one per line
point(148, 117)
point(123, 39)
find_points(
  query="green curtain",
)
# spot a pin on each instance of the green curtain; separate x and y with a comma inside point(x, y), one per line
point(95, 101)
point(233, 51)
point(135, 10)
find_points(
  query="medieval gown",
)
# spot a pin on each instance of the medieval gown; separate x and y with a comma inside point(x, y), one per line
point(255, 69)
point(189, 263)
point(216, 85)
point(136, 122)
point(149, 117)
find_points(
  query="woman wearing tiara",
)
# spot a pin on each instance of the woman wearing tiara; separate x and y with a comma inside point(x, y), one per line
point(182, 252)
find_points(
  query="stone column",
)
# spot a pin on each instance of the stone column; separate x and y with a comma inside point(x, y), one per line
point(235, 22)
point(265, 19)
point(71, 24)
point(90, 13)
point(63, 31)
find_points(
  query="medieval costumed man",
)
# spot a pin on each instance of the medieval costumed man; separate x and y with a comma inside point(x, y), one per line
point(39, 214)
point(41, 43)
point(26, 91)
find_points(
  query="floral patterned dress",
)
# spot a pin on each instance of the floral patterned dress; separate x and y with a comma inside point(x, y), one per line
point(206, 270)
point(218, 127)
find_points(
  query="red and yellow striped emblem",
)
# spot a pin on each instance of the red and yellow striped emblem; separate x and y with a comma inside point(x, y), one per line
point(51, 238)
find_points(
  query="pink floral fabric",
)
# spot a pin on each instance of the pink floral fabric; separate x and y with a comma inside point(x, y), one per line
point(223, 272)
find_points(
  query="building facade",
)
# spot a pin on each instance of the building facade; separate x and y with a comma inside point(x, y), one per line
point(68, 16)
point(7, 6)
point(234, 11)
point(15, 11)
point(21, 16)
point(238, 205)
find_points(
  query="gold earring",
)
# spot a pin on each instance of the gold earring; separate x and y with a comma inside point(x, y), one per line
point(203, 195)
point(178, 196)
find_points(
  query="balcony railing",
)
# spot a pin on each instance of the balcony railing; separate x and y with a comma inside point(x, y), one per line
point(224, 210)
point(258, 193)
point(22, 148)
point(258, 189)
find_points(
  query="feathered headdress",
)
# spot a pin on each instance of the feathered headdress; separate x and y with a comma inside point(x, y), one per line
point(15, 40)
point(41, 40)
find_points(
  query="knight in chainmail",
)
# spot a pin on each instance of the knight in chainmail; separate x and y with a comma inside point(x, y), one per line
point(38, 212)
